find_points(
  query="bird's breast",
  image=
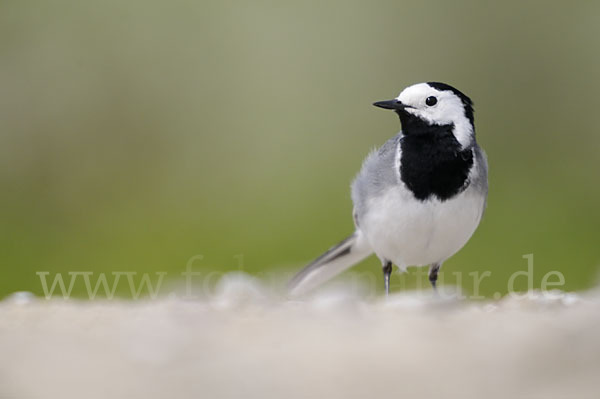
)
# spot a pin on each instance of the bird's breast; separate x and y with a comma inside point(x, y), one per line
point(409, 231)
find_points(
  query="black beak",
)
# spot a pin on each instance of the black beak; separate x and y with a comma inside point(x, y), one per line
point(390, 104)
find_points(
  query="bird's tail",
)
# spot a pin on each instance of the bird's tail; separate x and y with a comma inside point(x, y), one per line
point(337, 259)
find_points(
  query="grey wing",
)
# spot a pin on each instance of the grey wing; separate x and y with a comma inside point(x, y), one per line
point(377, 173)
point(480, 179)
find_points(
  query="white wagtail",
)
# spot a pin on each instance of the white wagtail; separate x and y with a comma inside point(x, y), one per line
point(418, 198)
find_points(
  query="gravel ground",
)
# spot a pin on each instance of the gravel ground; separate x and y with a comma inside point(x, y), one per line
point(244, 342)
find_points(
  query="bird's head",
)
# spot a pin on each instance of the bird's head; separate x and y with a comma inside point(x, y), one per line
point(426, 105)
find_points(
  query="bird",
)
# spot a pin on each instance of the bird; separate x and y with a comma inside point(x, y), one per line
point(417, 199)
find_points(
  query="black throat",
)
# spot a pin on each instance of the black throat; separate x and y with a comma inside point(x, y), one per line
point(432, 163)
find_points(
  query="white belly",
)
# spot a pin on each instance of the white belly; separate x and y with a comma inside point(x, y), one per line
point(409, 232)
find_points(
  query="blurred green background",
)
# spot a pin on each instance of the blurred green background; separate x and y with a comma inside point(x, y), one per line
point(137, 134)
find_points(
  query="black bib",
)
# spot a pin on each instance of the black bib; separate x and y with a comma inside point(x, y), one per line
point(432, 163)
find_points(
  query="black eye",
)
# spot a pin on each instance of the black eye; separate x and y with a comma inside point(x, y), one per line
point(431, 101)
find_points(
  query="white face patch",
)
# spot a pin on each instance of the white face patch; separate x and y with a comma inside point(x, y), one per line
point(449, 109)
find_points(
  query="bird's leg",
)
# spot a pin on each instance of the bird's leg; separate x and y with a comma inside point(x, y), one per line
point(387, 272)
point(433, 275)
